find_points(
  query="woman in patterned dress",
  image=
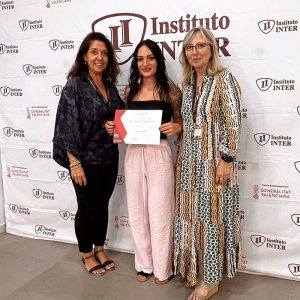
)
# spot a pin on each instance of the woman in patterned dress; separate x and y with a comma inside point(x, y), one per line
point(207, 221)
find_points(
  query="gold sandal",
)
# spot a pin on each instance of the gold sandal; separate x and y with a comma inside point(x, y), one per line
point(212, 289)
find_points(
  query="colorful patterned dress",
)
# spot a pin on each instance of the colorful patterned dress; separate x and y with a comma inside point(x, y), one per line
point(207, 219)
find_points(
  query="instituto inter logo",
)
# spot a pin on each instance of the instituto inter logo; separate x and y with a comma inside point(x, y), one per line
point(265, 84)
point(67, 215)
point(275, 140)
point(64, 175)
point(7, 5)
point(9, 49)
point(275, 244)
point(62, 45)
point(30, 25)
point(34, 70)
point(43, 230)
point(296, 219)
point(266, 26)
point(297, 165)
point(57, 89)
point(120, 180)
point(36, 153)
point(11, 132)
point(8, 91)
point(19, 209)
point(40, 194)
point(126, 30)
point(294, 269)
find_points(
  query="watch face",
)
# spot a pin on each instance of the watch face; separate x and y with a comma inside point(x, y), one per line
point(227, 158)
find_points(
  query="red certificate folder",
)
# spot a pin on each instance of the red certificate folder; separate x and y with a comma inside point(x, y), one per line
point(119, 131)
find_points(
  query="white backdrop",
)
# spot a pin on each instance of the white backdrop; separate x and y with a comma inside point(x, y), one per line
point(259, 42)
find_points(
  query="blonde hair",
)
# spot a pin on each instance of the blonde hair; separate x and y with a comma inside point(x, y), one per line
point(214, 66)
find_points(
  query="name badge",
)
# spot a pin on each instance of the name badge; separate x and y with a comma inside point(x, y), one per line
point(198, 132)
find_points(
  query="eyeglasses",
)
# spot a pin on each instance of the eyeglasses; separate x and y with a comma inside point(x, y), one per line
point(198, 46)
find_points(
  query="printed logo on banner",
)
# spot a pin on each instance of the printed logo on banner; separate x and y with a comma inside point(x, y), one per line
point(10, 132)
point(53, 2)
point(297, 165)
point(270, 243)
point(298, 110)
point(261, 138)
point(19, 209)
point(296, 219)
point(258, 240)
point(7, 91)
point(120, 179)
point(244, 262)
point(64, 175)
point(276, 140)
point(38, 111)
point(271, 191)
point(38, 193)
point(67, 215)
point(118, 26)
point(27, 69)
point(15, 171)
point(57, 89)
point(265, 84)
point(34, 153)
point(242, 165)
point(34, 70)
point(7, 5)
point(9, 49)
point(13, 207)
point(266, 26)
point(62, 45)
point(244, 113)
point(122, 221)
point(31, 25)
point(43, 230)
point(294, 269)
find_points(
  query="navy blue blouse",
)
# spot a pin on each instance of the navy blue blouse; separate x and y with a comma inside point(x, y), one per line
point(80, 119)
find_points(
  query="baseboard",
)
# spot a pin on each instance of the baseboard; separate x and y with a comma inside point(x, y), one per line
point(2, 228)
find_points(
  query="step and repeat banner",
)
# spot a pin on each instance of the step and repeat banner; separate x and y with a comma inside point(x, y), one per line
point(258, 42)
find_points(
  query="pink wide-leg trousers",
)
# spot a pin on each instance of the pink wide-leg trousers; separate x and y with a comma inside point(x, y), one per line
point(149, 178)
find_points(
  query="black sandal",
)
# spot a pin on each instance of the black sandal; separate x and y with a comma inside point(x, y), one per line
point(93, 269)
point(106, 263)
point(146, 276)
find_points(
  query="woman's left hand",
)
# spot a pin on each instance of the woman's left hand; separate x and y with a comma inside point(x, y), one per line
point(171, 128)
point(110, 126)
point(224, 172)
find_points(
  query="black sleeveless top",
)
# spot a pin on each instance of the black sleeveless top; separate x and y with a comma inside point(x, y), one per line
point(154, 105)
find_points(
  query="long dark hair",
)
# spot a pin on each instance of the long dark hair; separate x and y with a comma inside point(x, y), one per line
point(162, 81)
point(79, 67)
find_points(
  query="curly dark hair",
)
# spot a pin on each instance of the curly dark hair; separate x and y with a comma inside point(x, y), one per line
point(162, 81)
point(79, 67)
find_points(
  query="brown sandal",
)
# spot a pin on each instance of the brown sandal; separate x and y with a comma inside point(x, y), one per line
point(142, 276)
point(94, 269)
point(106, 263)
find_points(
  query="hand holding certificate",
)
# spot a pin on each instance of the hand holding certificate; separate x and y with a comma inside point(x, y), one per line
point(137, 127)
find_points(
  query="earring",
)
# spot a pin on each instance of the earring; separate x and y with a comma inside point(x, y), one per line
point(85, 63)
point(139, 79)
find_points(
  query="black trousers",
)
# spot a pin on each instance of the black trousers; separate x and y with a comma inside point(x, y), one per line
point(92, 215)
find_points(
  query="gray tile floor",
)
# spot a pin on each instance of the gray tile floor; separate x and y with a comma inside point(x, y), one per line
point(45, 270)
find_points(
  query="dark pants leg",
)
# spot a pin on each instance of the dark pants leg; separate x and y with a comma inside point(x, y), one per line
point(92, 215)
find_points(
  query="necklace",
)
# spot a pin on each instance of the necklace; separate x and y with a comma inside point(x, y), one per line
point(92, 82)
point(196, 98)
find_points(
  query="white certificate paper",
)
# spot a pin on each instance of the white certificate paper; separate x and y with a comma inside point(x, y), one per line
point(137, 127)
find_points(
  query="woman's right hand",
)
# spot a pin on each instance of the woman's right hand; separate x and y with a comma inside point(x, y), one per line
point(78, 176)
